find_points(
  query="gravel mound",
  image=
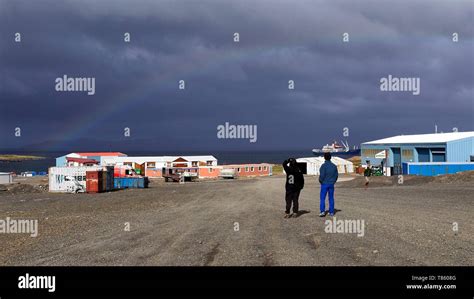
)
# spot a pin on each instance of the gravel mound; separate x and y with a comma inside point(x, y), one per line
point(461, 177)
point(409, 180)
point(20, 188)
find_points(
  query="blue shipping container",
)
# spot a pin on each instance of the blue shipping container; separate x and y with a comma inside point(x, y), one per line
point(433, 169)
point(130, 182)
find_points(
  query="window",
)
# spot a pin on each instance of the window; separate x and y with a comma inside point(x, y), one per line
point(251, 169)
point(264, 168)
point(407, 154)
point(238, 169)
point(260, 168)
point(246, 169)
point(150, 164)
point(210, 170)
point(194, 164)
point(370, 153)
point(209, 163)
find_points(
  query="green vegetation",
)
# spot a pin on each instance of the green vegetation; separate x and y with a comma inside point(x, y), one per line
point(13, 158)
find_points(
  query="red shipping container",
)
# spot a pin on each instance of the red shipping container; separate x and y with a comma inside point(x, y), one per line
point(92, 186)
point(94, 175)
point(93, 181)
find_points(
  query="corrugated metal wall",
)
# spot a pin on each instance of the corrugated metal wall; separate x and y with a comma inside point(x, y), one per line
point(460, 150)
point(419, 152)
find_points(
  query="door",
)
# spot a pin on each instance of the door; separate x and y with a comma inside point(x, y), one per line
point(397, 161)
point(423, 154)
point(438, 154)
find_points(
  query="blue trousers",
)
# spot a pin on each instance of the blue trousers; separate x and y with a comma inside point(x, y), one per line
point(325, 189)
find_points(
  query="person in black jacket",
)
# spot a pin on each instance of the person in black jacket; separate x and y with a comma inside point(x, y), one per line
point(293, 186)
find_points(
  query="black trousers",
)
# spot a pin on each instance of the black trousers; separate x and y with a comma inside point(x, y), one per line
point(292, 197)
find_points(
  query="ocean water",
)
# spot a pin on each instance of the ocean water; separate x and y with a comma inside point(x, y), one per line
point(274, 157)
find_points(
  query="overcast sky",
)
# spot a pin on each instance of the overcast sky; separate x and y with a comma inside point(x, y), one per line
point(337, 84)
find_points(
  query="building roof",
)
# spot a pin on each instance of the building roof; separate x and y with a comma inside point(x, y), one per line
point(424, 138)
point(246, 164)
point(82, 160)
point(102, 154)
point(311, 159)
point(144, 159)
point(197, 158)
point(320, 160)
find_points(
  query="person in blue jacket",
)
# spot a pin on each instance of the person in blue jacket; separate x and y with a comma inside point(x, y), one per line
point(327, 178)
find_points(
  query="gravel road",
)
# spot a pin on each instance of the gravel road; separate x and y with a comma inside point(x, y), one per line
point(241, 223)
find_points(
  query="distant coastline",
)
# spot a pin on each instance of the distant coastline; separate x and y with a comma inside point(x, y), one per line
point(18, 158)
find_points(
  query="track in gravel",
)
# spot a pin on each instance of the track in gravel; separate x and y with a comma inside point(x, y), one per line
point(195, 224)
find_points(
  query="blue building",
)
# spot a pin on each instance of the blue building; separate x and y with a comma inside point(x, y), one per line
point(437, 148)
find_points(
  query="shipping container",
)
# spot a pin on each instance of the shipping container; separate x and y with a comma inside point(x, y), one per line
point(104, 181)
point(95, 181)
point(92, 185)
point(110, 179)
point(72, 179)
point(92, 175)
point(434, 169)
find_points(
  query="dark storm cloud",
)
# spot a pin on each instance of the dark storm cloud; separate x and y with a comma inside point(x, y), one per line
point(337, 84)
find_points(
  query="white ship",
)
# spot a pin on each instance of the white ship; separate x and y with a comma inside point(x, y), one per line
point(336, 149)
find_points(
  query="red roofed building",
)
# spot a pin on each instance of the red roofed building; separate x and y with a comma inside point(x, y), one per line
point(96, 156)
point(71, 161)
point(102, 154)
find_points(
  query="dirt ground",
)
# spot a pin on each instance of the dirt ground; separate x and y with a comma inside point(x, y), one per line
point(196, 224)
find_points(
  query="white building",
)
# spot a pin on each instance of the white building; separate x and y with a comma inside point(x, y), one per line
point(343, 165)
point(314, 163)
point(152, 166)
point(6, 178)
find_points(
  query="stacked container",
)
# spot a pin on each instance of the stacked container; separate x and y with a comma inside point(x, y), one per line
point(94, 181)
point(63, 179)
point(110, 178)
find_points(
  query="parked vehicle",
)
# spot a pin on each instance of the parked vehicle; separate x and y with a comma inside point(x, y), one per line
point(180, 174)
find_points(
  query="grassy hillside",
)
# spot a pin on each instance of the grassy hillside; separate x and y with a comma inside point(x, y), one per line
point(18, 158)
